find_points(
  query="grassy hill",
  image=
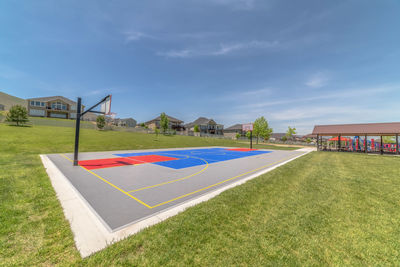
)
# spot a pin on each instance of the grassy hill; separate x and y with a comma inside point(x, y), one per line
point(8, 100)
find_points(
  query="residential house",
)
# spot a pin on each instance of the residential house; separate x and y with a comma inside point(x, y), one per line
point(129, 122)
point(277, 136)
point(207, 126)
point(53, 107)
point(233, 130)
point(174, 123)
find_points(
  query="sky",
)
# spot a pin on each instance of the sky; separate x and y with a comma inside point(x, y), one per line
point(297, 63)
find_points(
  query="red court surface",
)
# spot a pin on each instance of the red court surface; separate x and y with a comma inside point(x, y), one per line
point(118, 162)
point(242, 149)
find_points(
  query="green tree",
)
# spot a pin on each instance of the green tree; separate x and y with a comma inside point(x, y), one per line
point(248, 134)
point(284, 138)
point(261, 128)
point(142, 125)
point(196, 128)
point(156, 131)
point(238, 135)
point(164, 122)
point(308, 140)
point(388, 139)
point(18, 115)
point(101, 122)
point(290, 133)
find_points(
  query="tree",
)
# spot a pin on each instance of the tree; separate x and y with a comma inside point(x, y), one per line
point(290, 132)
point(18, 115)
point(196, 128)
point(164, 122)
point(101, 122)
point(248, 134)
point(156, 131)
point(388, 139)
point(308, 140)
point(261, 128)
point(238, 135)
point(284, 138)
point(142, 125)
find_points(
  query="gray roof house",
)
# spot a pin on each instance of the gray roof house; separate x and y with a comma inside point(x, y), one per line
point(208, 126)
point(233, 130)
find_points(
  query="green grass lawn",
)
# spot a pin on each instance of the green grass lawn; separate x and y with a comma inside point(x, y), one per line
point(322, 209)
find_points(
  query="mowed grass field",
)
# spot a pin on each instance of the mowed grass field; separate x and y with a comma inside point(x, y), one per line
point(322, 209)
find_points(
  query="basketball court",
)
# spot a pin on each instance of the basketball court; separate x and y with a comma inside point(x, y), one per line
point(107, 196)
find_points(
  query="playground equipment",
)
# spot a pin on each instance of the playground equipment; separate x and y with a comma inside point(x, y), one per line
point(358, 144)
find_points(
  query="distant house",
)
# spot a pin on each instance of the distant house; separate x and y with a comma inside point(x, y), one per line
point(129, 122)
point(1, 107)
point(174, 123)
point(52, 107)
point(313, 137)
point(89, 116)
point(277, 136)
point(208, 126)
point(233, 130)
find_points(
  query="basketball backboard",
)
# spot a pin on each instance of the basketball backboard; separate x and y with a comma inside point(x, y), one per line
point(247, 127)
point(105, 107)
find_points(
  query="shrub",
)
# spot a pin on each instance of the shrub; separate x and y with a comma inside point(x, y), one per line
point(18, 115)
point(101, 122)
point(237, 135)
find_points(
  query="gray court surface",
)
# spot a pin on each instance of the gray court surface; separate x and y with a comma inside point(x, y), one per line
point(126, 194)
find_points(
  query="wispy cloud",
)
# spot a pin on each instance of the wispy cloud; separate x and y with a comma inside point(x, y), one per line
point(318, 80)
point(346, 93)
point(131, 36)
point(235, 4)
point(221, 50)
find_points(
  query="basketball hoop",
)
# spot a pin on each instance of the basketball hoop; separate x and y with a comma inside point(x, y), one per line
point(247, 127)
point(105, 106)
point(105, 109)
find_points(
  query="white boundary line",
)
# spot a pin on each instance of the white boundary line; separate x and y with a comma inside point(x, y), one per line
point(91, 235)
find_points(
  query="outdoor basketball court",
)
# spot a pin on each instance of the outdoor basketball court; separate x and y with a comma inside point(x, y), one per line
point(127, 186)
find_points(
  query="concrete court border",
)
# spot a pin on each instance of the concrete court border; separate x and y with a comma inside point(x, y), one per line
point(91, 235)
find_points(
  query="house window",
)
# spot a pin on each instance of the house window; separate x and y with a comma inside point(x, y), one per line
point(32, 103)
point(38, 103)
point(42, 104)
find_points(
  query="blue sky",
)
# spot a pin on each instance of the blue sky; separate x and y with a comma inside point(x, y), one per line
point(297, 63)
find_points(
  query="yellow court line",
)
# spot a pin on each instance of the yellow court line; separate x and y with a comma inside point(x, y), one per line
point(188, 194)
point(116, 187)
point(176, 180)
point(227, 180)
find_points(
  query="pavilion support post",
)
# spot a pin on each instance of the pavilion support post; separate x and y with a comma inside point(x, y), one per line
point(381, 145)
point(365, 144)
point(317, 142)
point(397, 144)
point(339, 146)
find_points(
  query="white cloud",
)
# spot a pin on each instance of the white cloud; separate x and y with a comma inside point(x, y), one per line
point(221, 50)
point(235, 4)
point(131, 36)
point(318, 80)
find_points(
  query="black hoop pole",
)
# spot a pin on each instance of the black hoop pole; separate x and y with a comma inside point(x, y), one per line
point(251, 139)
point(77, 128)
